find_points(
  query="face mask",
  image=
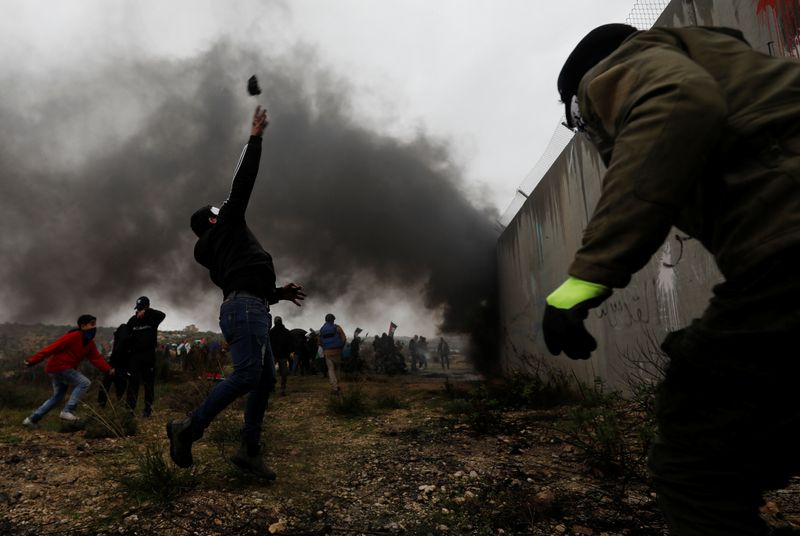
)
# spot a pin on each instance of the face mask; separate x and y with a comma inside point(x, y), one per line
point(88, 334)
point(576, 120)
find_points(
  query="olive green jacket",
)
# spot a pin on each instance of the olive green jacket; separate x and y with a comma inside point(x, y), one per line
point(698, 131)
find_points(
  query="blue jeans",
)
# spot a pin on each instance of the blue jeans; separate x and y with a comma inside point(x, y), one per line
point(61, 382)
point(245, 324)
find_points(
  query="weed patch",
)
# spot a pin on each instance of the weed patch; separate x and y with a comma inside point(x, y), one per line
point(495, 510)
point(111, 421)
point(185, 397)
point(609, 438)
point(646, 366)
point(224, 433)
point(10, 439)
point(478, 410)
point(352, 402)
point(455, 391)
point(389, 401)
point(541, 390)
point(155, 480)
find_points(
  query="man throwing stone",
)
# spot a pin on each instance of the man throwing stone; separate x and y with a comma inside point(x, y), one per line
point(244, 271)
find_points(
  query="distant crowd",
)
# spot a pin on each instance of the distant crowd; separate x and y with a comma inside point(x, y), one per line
point(137, 355)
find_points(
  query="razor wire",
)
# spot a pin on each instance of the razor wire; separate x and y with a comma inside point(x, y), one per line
point(643, 16)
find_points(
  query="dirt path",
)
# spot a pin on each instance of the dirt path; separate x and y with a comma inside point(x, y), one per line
point(410, 465)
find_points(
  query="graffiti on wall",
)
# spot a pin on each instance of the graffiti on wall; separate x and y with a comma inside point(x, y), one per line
point(781, 18)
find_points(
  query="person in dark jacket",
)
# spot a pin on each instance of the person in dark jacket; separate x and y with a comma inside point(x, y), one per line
point(143, 328)
point(443, 350)
point(243, 270)
point(700, 132)
point(315, 363)
point(281, 341)
point(63, 358)
point(120, 360)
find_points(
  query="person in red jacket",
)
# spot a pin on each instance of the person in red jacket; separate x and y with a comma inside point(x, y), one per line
point(62, 366)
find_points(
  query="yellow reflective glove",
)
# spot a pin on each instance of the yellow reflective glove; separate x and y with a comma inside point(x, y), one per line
point(567, 308)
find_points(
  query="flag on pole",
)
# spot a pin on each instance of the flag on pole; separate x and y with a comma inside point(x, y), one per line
point(392, 327)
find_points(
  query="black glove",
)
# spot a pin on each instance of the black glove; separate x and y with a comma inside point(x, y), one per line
point(566, 310)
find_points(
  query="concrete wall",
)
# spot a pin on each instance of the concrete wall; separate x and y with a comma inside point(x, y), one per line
point(536, 248)
point(771, 28)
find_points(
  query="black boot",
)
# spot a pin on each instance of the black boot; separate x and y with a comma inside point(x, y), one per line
point(251, 460)
point(180, 441)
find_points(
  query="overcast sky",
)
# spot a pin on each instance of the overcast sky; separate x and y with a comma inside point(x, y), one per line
point(478, 76)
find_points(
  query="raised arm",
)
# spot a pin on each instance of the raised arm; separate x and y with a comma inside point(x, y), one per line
point(156, 316)
point(244, 177)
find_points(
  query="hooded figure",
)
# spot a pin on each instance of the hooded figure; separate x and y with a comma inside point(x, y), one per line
point(243, 270)
point(700, 132)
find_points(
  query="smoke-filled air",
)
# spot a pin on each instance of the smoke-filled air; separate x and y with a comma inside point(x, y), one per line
point(102, 167)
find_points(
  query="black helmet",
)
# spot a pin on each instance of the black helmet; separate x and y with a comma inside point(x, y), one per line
point(593, 48)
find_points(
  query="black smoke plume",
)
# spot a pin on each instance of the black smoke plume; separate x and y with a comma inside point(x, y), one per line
point(99, 179)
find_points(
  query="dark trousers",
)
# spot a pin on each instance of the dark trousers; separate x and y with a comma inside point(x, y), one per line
point(119, 381)
point(728, 409)
point(245, 324)
point(283, 369)
point(142, 372)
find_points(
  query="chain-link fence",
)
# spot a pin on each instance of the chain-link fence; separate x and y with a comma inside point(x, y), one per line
point(643, 16)
point(645, 13)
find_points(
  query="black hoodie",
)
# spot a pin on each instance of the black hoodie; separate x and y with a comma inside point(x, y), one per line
point(233, 255)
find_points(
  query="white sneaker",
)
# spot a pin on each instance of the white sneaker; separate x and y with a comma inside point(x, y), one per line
point(68, 416)
point(28, 422)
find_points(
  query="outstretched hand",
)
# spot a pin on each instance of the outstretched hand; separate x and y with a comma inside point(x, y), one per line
point(294, 293)
point(259, 122)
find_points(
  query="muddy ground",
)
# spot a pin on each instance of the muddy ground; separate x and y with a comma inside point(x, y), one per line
point(426, 453)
